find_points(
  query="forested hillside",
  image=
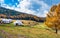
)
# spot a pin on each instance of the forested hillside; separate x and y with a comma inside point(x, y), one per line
point(7, 13)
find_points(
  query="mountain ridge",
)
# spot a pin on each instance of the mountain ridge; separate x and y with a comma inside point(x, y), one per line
point(8, 13)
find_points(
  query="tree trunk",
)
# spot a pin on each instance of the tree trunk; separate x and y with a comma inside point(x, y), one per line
point(56, 29)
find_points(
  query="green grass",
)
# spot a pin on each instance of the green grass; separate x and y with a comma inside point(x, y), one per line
point(37, 31)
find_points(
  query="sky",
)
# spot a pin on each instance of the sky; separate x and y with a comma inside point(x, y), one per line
point(36, 7)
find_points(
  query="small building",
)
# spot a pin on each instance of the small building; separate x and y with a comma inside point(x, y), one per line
point(6, 20)
point(18, 22)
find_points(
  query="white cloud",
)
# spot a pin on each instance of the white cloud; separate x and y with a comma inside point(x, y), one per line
point(43, 10)
point(1, 0)
point(24, 6)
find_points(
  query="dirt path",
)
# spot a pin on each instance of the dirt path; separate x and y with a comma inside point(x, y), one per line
point(1, 37)
point(7, 35)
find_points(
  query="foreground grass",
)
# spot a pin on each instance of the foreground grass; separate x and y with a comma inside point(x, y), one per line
point(38, 31)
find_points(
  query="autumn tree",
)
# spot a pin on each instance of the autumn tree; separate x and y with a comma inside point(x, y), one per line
point(53, 17)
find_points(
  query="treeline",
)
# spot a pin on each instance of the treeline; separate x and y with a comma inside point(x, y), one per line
point(24, 17)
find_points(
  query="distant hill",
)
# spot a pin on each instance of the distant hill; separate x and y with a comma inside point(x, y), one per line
point(8, 13)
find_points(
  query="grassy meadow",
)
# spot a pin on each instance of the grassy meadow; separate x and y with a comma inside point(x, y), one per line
point(34, 30)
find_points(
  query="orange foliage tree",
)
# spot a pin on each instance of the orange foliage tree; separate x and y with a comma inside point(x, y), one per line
point(53, 17)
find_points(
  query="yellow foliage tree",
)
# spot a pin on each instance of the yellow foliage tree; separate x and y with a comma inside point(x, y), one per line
point(53, 17)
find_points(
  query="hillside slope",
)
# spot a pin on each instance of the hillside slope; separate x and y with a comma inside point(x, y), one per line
point(8, 13)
